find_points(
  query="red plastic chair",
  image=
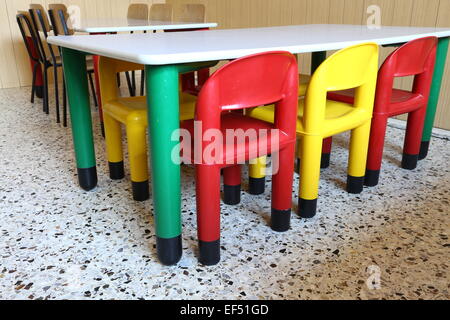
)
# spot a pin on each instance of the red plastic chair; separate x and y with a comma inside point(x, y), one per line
point(416, 58)
point(239, 85)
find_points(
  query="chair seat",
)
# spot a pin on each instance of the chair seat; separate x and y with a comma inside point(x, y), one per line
point(126, 109)
point(402, 101)
point(238, 150)
point(334, 110)
point(303, 82)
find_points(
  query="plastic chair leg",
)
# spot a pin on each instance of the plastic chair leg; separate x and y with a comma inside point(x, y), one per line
point(113, 140)
point(208, 213)
point(137, 154)
point(232, 185)
point(359, 143)
point(326, 152)
point(257, 176)
point(311, 152)
point(282, 182)
point(413, 137)
point(375, 152)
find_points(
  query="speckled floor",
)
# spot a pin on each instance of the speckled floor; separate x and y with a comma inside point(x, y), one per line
point(59, 242)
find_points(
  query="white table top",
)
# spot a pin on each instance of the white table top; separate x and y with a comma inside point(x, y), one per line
point(183, 47)
point(124, 25)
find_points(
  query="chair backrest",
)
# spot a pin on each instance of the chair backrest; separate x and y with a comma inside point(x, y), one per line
point(189, 13)
point(161, 12)
point(138, 11)
point(60, 19)
point(415, 58)
point(108, 68)
point(243, 83)
point(354, 67)
point(39, 15)
point(41, 25)
point(28, 34)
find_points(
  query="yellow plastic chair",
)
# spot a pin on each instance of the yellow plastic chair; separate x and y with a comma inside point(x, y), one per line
point(319, 118)
point(131, 112)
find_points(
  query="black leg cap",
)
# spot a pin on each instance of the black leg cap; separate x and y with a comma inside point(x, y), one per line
point(116, 171)
point(409, 161)
point(281, 220)
point(372, 177)
point(87, 178)
point(39, 91)
point(256, 186)
point(140, 191)
point(325, 160)
point(232, 195)
point(355, 185)
point(209, 252)
point(307, 208)
point(424, 147)
point(169, 250)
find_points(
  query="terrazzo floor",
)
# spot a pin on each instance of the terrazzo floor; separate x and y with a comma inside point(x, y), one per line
point(59, 242)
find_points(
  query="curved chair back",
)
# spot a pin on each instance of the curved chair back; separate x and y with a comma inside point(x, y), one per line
point(29, 35)
point(243, 84)
point(108, 68)
point(161, 12)
point(60, 19)
point(138, 11)
point(42, 25)
point(354, 67)
point(38, 13)
point(415, 58)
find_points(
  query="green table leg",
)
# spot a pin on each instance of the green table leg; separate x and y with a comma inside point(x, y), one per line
point(441, 57)
point(163, 120)
point(316, 60)
point(80, 115)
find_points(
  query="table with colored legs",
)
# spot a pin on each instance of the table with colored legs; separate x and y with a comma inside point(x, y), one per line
point(165, 56)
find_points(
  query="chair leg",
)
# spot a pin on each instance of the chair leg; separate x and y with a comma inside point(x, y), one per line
point(130, 85)
point(413, 137)
point(91, 83)
point(45, 100)
point(282, 189)
point(142, 82)
point(55, 76)
point(311, 152)
point(137, 154)
point(375, 152)
point(133, 81)
point(119, 82)
point(359, 144)
point(33, 82)
point(257, 176)
point(232, 185)
point(208, 213)
point(326, 152)
point(113, 140)
point(64, 103)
